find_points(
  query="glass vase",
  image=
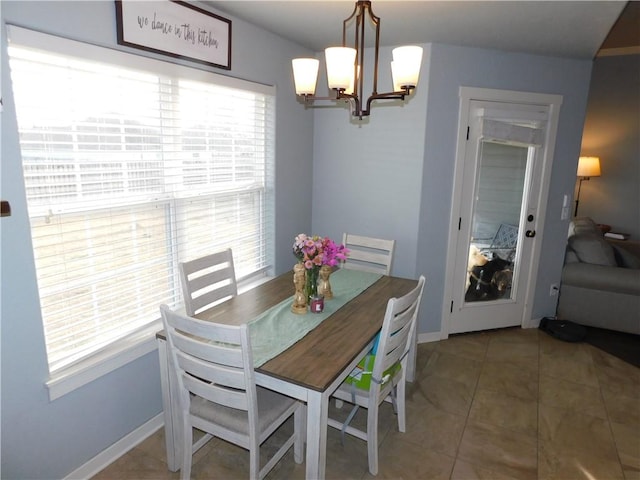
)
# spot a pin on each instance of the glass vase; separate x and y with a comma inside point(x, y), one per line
point(311, 287)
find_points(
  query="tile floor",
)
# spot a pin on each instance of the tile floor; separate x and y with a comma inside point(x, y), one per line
point(507, 404)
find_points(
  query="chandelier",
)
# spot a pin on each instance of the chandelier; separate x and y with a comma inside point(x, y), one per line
point(345, 67)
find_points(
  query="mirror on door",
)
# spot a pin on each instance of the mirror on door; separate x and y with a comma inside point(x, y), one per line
point(496, 221)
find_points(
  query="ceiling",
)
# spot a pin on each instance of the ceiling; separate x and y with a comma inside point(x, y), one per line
point(574, 29)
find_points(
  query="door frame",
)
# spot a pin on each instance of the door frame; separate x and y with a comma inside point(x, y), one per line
point(466, 95)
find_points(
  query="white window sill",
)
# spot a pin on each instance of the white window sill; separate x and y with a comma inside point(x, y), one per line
point(117, 355)
point(106, 361)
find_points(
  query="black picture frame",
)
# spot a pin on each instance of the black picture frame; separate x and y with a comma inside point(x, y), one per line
point(176, 29)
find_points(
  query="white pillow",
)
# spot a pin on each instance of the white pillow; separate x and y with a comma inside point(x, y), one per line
point(593, 249)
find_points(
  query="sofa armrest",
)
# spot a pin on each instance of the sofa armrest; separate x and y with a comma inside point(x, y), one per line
point(631, 246)
point(600, 277)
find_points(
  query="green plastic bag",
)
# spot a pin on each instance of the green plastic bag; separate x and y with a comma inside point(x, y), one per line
point(360, 377)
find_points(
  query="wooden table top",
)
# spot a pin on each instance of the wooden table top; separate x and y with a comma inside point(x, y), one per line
point(319, 357)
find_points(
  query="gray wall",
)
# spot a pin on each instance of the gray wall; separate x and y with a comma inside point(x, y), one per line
point(612, 132)
point(391, 177)
point(42, 439)
point(397, 171)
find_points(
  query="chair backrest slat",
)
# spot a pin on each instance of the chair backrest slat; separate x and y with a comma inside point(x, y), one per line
point(214, 393)
point(208, 280)
point(212, 372)
point(368, 254)
point(221, 353)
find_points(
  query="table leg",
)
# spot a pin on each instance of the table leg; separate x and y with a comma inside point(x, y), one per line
point(317, 411)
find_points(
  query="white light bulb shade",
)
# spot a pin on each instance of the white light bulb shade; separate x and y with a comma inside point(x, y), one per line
point(305, 75)
point(350, 89)
point(405, 67)
point(588, 167)
point(340, 67)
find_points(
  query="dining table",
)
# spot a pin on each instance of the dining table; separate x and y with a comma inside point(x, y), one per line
point(305, 356)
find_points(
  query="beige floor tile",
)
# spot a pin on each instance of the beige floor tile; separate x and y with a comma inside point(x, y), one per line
point(569, 368)
point(400, 460)
point(502, 410)
point(346, 460)
point(447, 395)
point(510, 379)
point(622, 409)
point(560, 393)
point(470, 346)
point(432, 428)
point(155, 445)
point(454, 367)
point(523, 353)
point(466, 471)
point(514, 335)
point(500, 450)
point(616, 375)
point(627, 439)
point(550, 346)
point(575, 445)
point(137, 465)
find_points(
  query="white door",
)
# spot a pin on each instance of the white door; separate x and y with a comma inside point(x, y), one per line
point(502, 165)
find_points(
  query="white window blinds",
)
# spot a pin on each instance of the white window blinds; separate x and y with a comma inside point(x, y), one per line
point(132, 165)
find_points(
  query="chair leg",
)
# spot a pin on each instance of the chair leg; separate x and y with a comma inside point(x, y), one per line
point(400, 396)
point(254, 461)
point(372, 438)
point(187, 448)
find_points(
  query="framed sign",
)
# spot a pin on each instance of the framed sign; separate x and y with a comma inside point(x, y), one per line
point(176, 29)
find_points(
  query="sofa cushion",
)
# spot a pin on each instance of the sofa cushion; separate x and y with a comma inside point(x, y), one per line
point(593, 249)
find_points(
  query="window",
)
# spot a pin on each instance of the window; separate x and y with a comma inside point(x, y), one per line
point(132, 165)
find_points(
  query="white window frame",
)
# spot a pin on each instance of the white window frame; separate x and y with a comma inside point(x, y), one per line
point(141, 342)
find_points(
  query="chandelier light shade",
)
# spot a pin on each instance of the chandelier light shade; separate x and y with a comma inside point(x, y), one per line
point(345, 67)
point(340, 61)
point(305, 71)
point(587, 167)
point(405, 67)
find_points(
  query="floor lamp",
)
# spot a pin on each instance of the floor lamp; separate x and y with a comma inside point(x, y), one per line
point(587, 167)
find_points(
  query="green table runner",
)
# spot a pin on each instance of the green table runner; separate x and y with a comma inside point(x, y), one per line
point(275, 330)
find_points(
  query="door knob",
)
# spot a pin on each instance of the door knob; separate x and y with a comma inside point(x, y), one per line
point(530, 233)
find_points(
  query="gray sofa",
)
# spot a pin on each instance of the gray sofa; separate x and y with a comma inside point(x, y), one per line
point(600, 284)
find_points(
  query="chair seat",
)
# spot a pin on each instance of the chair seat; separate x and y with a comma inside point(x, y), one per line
point(271, 406)
point(360, 396)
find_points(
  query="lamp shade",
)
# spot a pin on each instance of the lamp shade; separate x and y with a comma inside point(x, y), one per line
point(305, 75)
point(340, 67)
point(405, 67)
point(588, 167)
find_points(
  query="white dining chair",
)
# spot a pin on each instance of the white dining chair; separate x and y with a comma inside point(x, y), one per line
point(368, 254)
point(388, 375)
point(218, 394)
point(208, 280)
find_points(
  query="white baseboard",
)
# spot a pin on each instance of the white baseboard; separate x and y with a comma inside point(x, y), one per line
point(429, 337)
point(118, 449)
